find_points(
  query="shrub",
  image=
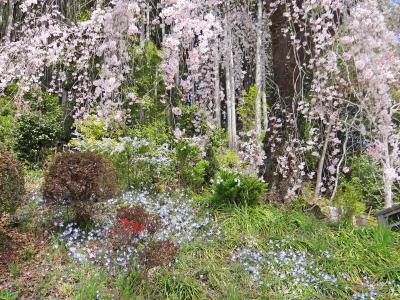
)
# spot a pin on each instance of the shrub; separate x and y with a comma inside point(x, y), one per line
point(365, 169)
point(229, 160)
point(96, 128)
point(135, 218)
point(6, 295)
point(192, 169)
point(235, 188)
point(40, 127)
point(12, 183)
point(78, 180)
point(7, 126)
point(213, 148)
point(349, 197)
point(246, 110)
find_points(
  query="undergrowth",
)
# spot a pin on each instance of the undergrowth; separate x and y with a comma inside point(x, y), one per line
point(263, 252)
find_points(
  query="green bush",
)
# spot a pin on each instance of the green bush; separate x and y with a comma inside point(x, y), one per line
point(229, 160)
point(349, 198)
point(140, 154)
point(238, 189)
point(195, 176)
point(6, 295)
point(148, 85)
point(191, 167)
point(12, 183)
point(35, 136)
point(246, 109)
point(213, 149)
point(156, 132)
point(40, 128)
point(365, 169)
point(7, 126)
point(78, 180)
point(96, 128)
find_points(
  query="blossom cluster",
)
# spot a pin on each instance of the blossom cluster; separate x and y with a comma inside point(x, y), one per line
point(123, 243)
point(159, 156)
point(47, 40)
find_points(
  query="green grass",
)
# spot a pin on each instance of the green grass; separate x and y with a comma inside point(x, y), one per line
point(358, 252)
point(6, 295)
point(206, 270)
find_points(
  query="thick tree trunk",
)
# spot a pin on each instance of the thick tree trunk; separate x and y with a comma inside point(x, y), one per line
point(285, 71)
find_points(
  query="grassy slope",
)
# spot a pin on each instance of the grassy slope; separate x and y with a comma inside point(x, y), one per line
point(206, 270)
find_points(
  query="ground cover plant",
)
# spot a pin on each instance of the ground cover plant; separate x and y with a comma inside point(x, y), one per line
point(199, 149)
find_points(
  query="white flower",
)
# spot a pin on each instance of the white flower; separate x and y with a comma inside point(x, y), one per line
point(346, 40)
point(176, 111)
point(178, 133)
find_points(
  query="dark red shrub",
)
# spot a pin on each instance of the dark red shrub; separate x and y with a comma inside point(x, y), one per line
point(131, 227)
point(159, 253)
point(136, 218)
point(79, 179)
point(12, 183)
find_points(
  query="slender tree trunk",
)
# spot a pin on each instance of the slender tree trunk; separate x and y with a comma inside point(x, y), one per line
point(142, 34)
point(217, 98)
point(264, 107)
point(259, 50)
point(387, 177)
point(162, 29)
point(148, 21)
point(233, 91)
point(1, 19)
point(344, 148)
point(9, 23)
point(228, 91)
point(321, 163)
point(230, 86)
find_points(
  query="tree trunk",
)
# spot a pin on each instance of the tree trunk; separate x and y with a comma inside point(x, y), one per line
point(387, 177)
point(9, 23)
point(321, 163)
point(285, 69)
point(264, 107)
point(2, 6)
point(217, 98)
point(230, 86)
point(148, 21)
point(259, 50)
point(233, 92)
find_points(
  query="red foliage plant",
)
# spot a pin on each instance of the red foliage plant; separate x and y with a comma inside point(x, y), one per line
point(129, 226)
point(79, 179)
point(159, 253)
point(136, 219)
